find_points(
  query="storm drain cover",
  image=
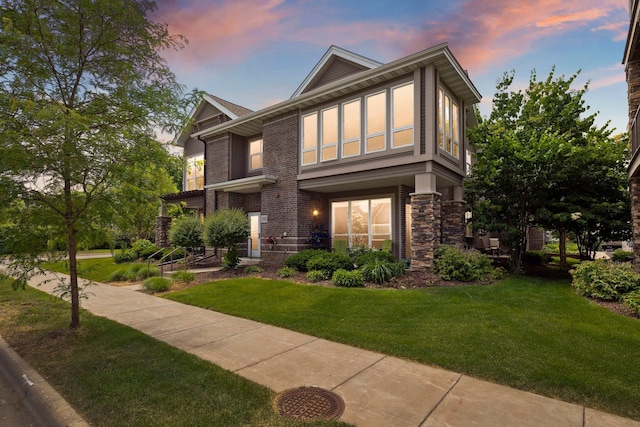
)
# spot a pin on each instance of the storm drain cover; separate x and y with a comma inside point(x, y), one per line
point(309, 403)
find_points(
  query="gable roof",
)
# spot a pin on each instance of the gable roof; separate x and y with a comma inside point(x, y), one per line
point(450, 71)
point(336, 63)
point(231, 110)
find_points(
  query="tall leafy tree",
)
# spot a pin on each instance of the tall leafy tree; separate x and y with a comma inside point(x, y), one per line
point(82, 90)
point(539, 154)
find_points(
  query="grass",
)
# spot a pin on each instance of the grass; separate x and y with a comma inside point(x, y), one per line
point(114, 375)
point(96, 269)
point(534, 334)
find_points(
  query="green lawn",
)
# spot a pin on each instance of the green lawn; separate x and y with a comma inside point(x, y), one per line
point(96, 269)
point(530, 333)
point(116, 376)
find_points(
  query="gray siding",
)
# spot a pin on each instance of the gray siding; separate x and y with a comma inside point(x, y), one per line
point(339, 69)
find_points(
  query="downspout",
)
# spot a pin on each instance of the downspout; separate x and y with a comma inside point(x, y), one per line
point(204, 210)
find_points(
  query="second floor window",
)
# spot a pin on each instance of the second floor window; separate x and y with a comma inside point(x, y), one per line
point(329, 134)
point(255, 154)
point(448, 124)
point(194, 173)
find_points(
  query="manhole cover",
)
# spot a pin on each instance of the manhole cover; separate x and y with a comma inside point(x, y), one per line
point(309, 403)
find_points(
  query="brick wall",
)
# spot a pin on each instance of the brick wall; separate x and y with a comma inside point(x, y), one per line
point(633, 88)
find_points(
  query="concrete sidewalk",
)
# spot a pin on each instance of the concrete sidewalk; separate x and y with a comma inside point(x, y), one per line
point(378, 390)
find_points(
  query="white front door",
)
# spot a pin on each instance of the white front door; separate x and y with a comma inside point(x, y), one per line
point(254, 237)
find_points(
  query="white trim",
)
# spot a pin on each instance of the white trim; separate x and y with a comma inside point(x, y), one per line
point(220, 107)
point(243, 185)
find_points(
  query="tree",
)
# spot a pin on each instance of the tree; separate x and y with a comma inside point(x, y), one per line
point(226, 228)
point(536, 152)
point(82, 88)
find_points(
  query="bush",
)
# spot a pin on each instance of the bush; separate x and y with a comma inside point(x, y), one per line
point(183, 276)
point(287, 272)
point(536, 258)
point(604, 280)
point(299, 260)
point(317, 276)
point(187, 232)
point(367, 257)
point(455, 264)
point(329, 262)
point(252, 269)
point(144, 248)
point(621, 256)
point(125, 255)
point(226, 228)
point(120, 275)
point(379, 270)
point(632, 301)
point(348, 279)
point(157, 284)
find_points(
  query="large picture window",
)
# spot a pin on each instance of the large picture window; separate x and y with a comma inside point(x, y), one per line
point(194, 173)
point(448, 124)
point(362, 222)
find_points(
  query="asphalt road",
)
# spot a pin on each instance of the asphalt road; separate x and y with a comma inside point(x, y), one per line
point(12, 411)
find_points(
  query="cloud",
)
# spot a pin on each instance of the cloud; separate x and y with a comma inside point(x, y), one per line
point(485, 32)
point(223, 31)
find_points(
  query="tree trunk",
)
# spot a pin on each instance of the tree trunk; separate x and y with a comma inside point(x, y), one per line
point(73, 264)
point(563, 247)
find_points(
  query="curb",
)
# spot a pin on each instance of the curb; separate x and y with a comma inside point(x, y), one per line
point(46, 405)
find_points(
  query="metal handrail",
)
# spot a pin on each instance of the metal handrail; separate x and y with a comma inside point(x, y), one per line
point(162, 259)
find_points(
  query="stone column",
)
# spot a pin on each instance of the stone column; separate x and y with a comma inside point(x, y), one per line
point(453, 224)
point(163, 224)
point(634, 189)
point(425, 229)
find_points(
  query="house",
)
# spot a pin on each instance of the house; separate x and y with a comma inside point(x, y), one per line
point(363, 152)
point(631, 61)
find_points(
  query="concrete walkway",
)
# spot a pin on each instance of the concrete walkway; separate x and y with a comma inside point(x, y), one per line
point(378, 390)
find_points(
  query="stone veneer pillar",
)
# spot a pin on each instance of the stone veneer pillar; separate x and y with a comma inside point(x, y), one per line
point(425, 229)
point(453, 225)
point(163, 223)
point(634, 189)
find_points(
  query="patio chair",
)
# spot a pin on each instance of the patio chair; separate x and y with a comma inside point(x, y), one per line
point(386, 245)
point(494, 246)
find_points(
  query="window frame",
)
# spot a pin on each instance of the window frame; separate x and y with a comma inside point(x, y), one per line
point(344, 141)
point(252, 155)
point(330, 144)
point(448, 123)
point(197, 163)
point(304, 150)
point(370, 226)
point(368, 135)
point(393, 130)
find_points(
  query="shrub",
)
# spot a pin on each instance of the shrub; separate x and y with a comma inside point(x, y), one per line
point(299, 260)
point(632, 301)
point(226, 228)
point(604, 280)
point(252, 269)
point(536, 258)
point(317, 276)
point(286, 272)
point(141, 271)
point(187, 232)
point(329, 262)
point(144, 248)
point(621, 256)
point(379, 270)
point(157, 284)
point(367, 257)
point(125, 255)
point(452, 263)
point(120, 275)
point(183, 276)
point(348, 279)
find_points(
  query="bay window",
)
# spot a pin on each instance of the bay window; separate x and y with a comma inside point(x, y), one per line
point(448, 124)
point(376, 122)
point(351, 128)
point(329, 137)
point(402, 116)
point(309, 138)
